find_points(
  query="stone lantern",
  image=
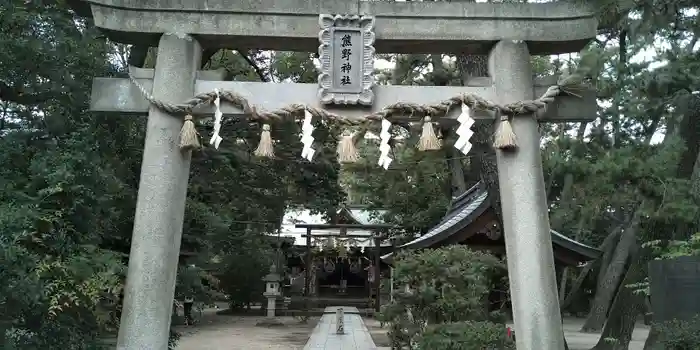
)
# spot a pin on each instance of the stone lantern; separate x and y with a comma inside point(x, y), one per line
point(272, 290)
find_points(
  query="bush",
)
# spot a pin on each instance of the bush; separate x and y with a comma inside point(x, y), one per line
point(680, 335)
point(468, 335)
point(445, 286)
point(241, 270)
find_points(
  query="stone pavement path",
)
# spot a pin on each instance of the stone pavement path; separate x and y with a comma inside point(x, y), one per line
point(356, 335)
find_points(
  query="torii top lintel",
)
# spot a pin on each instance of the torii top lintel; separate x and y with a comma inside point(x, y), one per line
point(400, 27)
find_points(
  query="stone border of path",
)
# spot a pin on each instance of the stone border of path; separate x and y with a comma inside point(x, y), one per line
point(356, 336)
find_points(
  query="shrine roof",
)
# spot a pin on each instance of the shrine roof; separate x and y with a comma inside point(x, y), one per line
point(295, 217)
point(468, 207)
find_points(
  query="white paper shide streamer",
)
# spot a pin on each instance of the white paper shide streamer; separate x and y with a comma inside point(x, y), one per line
point(306, 137)
point(385, 136)
point(215, 137)
point(464, 131)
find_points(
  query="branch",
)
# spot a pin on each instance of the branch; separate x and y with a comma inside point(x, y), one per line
point(615, 218)
point(692, 44)
point(252, 63)
point(207, 55)
point(137, 55)
point(16, 95)
point(2, 119)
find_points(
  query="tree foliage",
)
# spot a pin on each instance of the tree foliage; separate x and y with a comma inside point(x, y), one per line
point(70, 178)
point(440, 286)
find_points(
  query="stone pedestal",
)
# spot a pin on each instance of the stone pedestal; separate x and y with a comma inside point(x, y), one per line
point(271, 303)
point(270, 319)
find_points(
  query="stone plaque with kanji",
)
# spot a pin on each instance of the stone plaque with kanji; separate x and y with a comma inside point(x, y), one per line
point(346, 53)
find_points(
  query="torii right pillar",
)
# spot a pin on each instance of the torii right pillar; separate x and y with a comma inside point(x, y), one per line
point(533, 284)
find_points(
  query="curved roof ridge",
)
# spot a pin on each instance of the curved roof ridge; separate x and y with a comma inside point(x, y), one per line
point(465, 209)
point(466, 197)
point(574, 245)
point(452, 222)
point(468, 192)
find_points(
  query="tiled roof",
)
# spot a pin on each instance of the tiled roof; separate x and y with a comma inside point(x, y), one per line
point(292, 217)
point(455, 220)
point(469, 206)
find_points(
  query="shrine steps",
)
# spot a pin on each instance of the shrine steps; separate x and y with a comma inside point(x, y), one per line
point(364, 312)
point(301, 302)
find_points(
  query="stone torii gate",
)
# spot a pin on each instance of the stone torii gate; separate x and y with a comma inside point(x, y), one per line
point(508, 32)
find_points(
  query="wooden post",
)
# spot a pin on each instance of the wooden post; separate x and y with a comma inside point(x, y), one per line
point(377, 259)
point(307, 270)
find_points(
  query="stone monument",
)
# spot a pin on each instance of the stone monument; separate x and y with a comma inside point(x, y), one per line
point(339, 321)
point(674, 286)
point(181, 29)
point(272, 290)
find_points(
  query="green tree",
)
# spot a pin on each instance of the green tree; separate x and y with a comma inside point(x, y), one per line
point(68, 190)
point(440, 286)
point(59, 195)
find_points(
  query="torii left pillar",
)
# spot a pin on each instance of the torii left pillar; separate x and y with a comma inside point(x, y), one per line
point(160, 207)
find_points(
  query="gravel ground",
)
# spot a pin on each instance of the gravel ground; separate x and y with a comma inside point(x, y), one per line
point(214, 332)
point(575, 339)
point(224, 332)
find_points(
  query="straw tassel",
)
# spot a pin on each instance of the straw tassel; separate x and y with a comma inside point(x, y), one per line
point(428, 140)
point(505, 139)
point(347, 153)
point(265, 146)
point(189, 139)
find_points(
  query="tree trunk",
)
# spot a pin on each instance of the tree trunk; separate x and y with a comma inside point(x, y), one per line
point(562, 284)
point(695, 179)
point(440, 75)
point(566, 301)
point(454, 162)
point(648, 313)
point(565, 272)
point(690, 133)
point(559, 218)
point(483, 155)
point(557, 221)
point(608, 252)
point(625, 309)
point(607, 245)
point(606, 291)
